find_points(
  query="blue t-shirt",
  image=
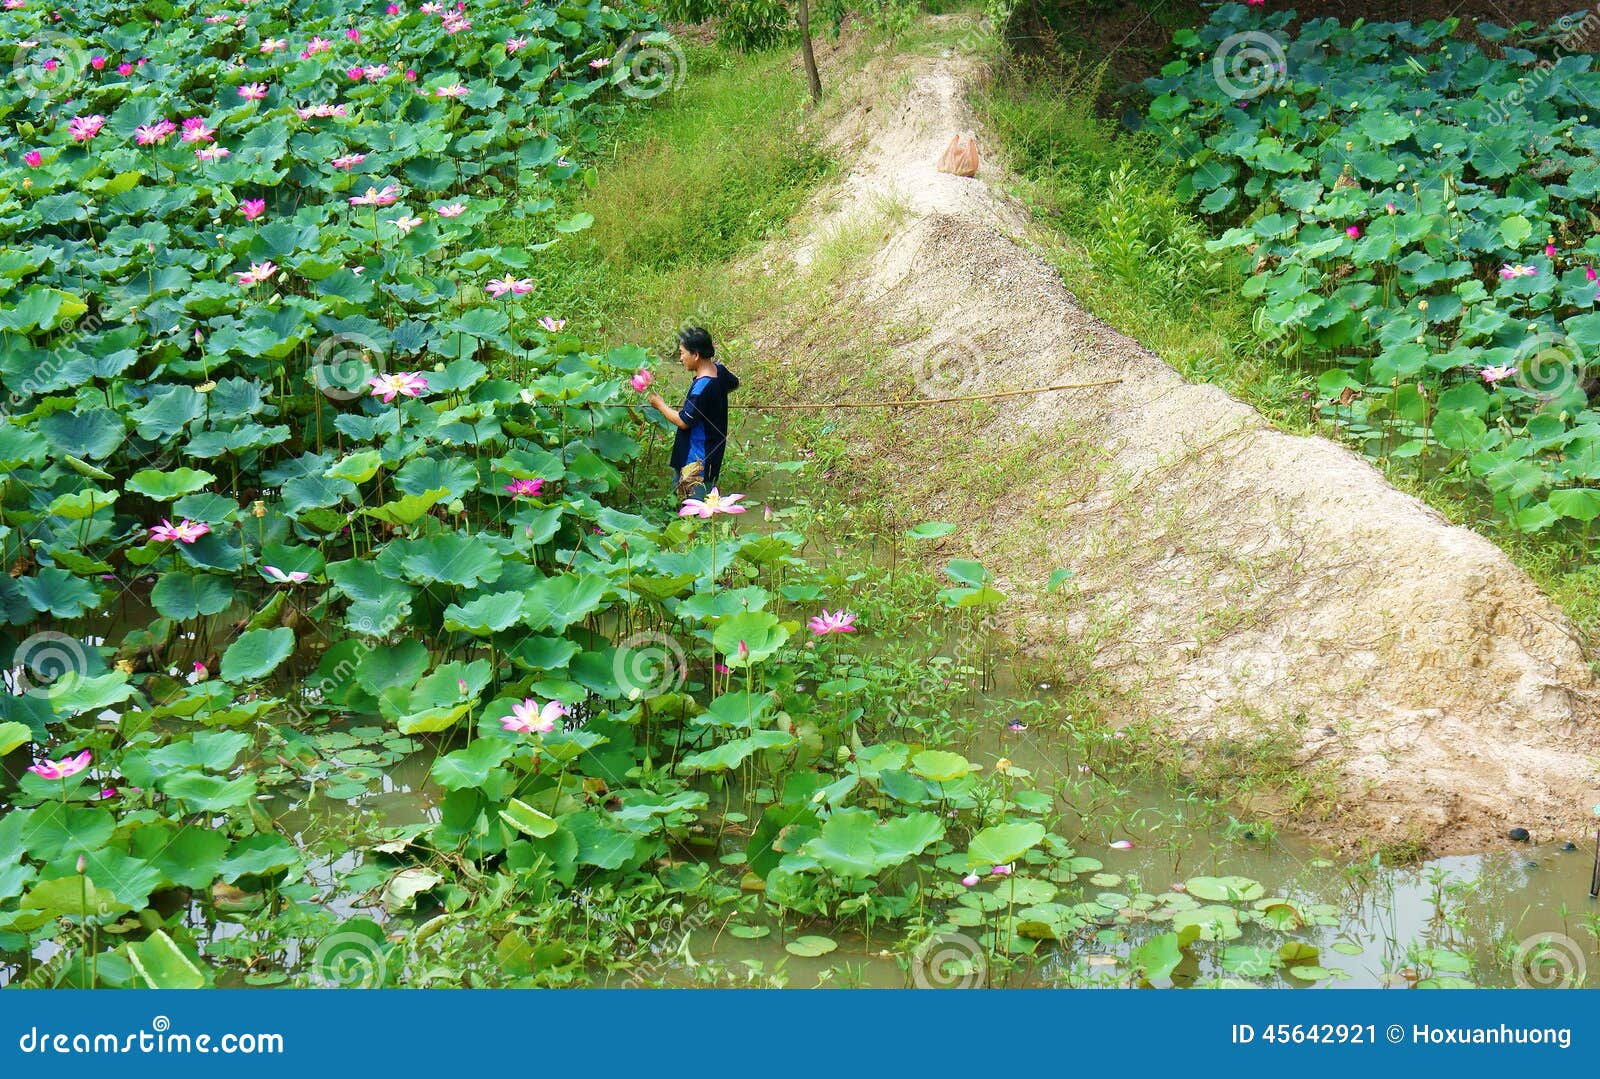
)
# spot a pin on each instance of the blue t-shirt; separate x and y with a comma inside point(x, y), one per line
point(705, 412)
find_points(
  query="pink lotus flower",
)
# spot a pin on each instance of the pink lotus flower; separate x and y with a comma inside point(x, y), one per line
point(352, 34)
point(603, 62)
point(454, 24)
point(1550, 251)
point(314, 46)
point(34, 158)
point(712, 504)
point(840, 621)
point(84, 128)
point(257, 273)
point(185, 531)
point(124, 70)
point(1588, 272)
point(1389, 208)
point(379, 71)
point(405, 383)
point(525, 488)
point(392, 9)
point(530, 718)
point(722, 668)
point(500, 286)
point(1255, 3)
point(198, 674)
point(212, 153)
point(65, 768)
point(431, 8)
point(970, 880)
point(272, 45)
point(97, 62)
point(356, 74)
point(1495, 374)
point(553, 325)
point(515, 43)
point(455, 209)
point(51, 64)
point(1510, 272)
point(294, 576)
point(196, 130)
point(348, 161)
point(1000, 871)
point(641, 380)
point(406, 224)
point(456, 90)
point(411, 74)
point(253, 208)
point(153, 134)
point(1353, 231)
point(1014, 725)
point(1122, 844)
point(374, 197)
point(253, 91)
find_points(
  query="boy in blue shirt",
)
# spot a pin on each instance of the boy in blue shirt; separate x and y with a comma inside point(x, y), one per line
point(702, 421)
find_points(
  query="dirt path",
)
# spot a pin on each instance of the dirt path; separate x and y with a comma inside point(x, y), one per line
point(1239, 584)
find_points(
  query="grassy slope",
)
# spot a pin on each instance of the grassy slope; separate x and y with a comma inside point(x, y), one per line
point(1134, 257)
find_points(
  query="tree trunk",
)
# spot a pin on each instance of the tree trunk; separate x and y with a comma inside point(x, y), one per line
point(806, 52)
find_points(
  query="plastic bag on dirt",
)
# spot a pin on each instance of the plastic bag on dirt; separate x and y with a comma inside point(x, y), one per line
point(960, 157)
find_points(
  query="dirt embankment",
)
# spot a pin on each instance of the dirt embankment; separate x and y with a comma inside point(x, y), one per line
point(1233, 581)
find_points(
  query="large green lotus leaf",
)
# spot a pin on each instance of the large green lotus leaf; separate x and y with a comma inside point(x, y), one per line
point(845, 844)
point(206, 793)
point(472, 766)
point(1157, 957)
point(454, 558)
point(256, 653)
point(52, 831)
point(599, 843)
point(182, 596)
point(58, 593)
point(940, 766)
point(258, 855)
point(74, 694)
point(13, 735)
point(528, 820)
point(398, 664)
point(760, 633)
point(75, 895)
point(357, 467)
point(422, 475)
point(731, 754)
point(1224, 889)
point(161, 964)
point(186, 857)
point(214, 751)
point(166, 485)
point(1002, 844)
point(485, 615)
point(558, 602)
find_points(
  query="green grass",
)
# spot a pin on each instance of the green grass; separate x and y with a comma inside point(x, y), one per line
point(1134, 256)
point(701, 176)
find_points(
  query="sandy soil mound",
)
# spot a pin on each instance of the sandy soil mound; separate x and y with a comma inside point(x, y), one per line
point(1237, 578)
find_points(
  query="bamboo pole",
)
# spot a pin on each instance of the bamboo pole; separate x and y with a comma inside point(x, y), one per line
point(933, 400)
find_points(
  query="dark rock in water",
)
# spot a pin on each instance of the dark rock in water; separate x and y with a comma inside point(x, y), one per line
point(1530, 864)
point(1519, 835)
point(1569, 845)
point(1249, 835)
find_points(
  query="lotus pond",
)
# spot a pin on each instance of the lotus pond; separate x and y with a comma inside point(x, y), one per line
point(349, 639)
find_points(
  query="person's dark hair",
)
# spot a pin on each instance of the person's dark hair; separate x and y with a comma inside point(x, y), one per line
point(697, 339)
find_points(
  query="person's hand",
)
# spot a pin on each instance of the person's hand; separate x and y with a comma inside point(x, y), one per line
point(656, 402)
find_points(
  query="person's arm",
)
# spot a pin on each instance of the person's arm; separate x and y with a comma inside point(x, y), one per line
point(673, 416)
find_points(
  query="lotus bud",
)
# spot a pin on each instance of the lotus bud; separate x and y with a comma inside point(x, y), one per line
point(438, 367)
point(1422, 305)
point(258, 508)
point(1003, 765)
point(82, 864)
